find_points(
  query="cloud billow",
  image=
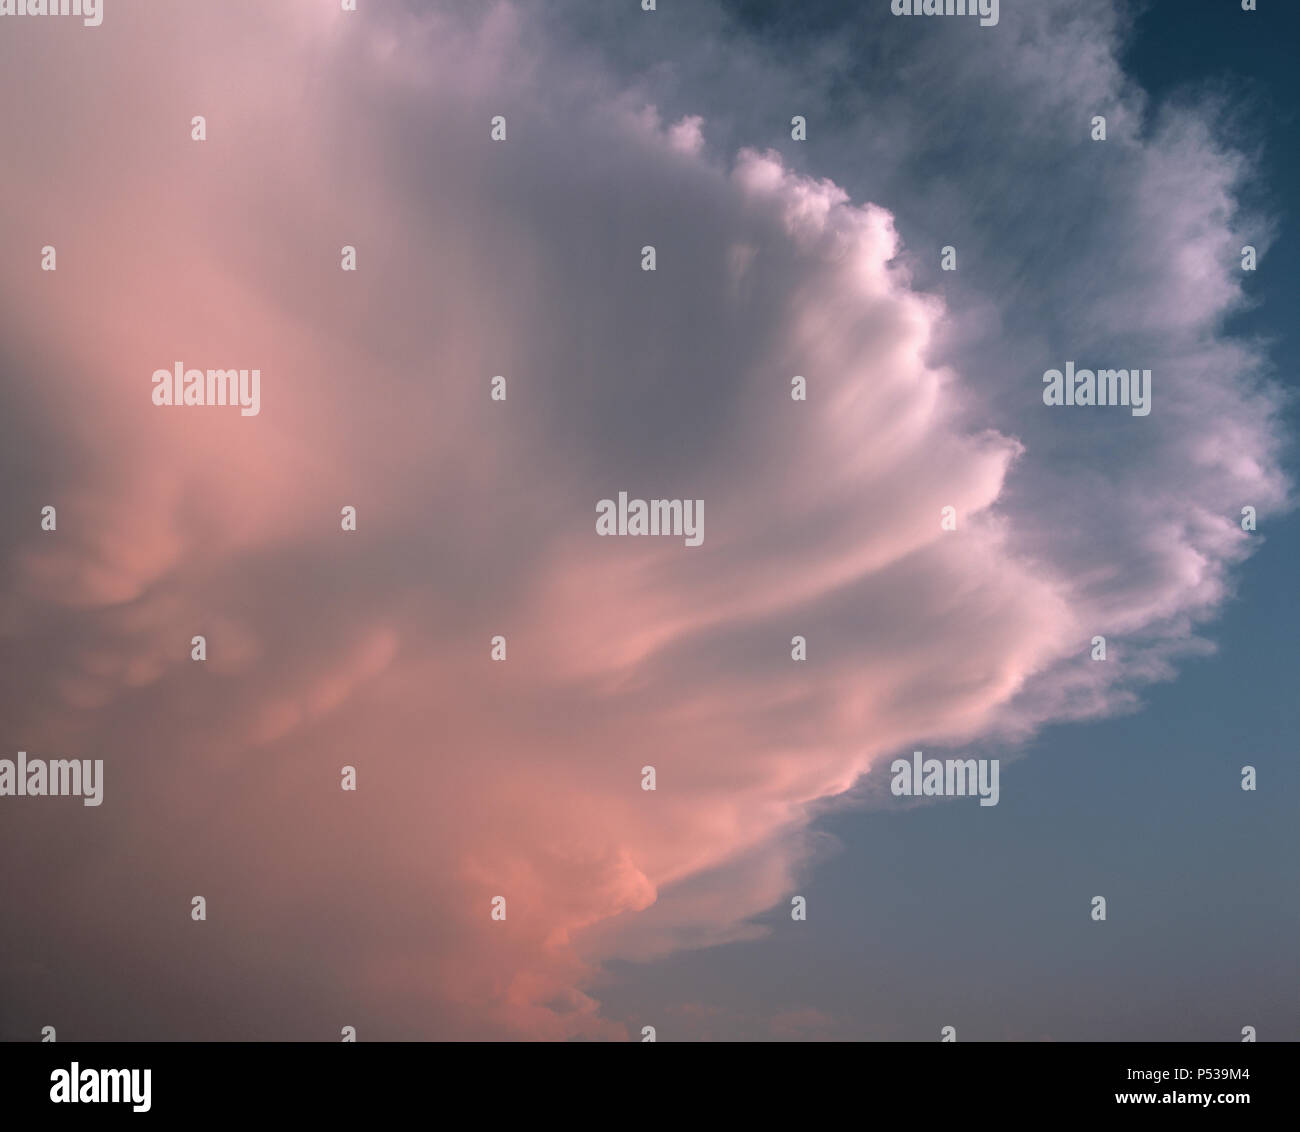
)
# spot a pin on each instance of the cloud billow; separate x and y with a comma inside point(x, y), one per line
point(475, 518)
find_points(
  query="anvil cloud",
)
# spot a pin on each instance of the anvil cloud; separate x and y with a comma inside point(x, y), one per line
point(476, 518)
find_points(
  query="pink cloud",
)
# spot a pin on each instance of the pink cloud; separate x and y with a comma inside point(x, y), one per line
point(330, 648)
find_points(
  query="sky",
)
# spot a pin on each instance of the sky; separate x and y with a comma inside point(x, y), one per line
point(475, 517)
